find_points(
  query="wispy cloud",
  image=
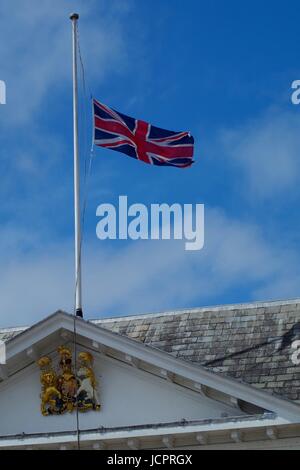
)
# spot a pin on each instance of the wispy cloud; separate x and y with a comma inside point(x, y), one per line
point(36, 53)
point(145, 276)
point(265, 151)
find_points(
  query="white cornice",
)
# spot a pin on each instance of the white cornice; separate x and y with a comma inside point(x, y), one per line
point(175, 432)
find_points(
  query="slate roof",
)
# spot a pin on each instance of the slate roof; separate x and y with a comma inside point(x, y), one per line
point(250, 342)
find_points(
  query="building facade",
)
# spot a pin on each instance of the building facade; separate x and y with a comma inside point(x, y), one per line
point(222, 377)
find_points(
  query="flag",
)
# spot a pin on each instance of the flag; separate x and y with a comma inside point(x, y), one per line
point(141, 140)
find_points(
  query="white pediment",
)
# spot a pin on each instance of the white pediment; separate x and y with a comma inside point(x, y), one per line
point(129, 397)
point(138, 385)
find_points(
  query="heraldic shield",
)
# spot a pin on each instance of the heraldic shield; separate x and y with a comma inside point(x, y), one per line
point(68, 389)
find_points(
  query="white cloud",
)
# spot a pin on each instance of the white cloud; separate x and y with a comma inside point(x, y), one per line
point(36, 53)
point(144, 276)
point(266, 153)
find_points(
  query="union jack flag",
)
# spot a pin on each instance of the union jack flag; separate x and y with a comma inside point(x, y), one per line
point(141, 140)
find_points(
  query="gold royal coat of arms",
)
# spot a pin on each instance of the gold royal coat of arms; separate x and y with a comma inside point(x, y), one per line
point(67, 390)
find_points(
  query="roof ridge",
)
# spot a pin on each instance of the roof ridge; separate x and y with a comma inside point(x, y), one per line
point(225, 308)
point(209, 308)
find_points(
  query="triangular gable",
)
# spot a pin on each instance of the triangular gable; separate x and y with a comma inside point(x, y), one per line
point(155, 366)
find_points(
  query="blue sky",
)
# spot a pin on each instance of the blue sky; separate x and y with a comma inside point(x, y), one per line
point(221, 69)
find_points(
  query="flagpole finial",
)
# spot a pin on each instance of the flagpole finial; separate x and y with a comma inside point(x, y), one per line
point(74, 16)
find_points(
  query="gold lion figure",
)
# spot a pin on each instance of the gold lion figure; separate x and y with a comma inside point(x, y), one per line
point(51, 402)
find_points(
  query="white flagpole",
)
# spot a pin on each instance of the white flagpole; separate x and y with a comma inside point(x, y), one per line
point(78, 290)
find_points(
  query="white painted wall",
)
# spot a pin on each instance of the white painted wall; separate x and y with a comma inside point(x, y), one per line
point(128, 396)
